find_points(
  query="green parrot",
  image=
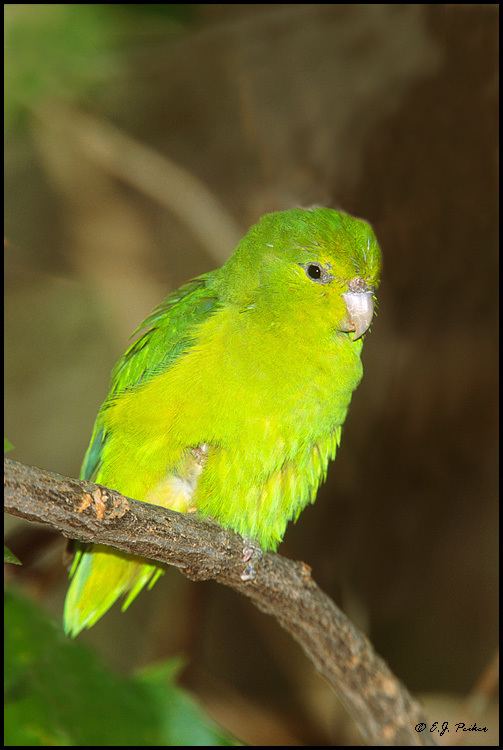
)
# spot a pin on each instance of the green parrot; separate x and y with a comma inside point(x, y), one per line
point(232, 400)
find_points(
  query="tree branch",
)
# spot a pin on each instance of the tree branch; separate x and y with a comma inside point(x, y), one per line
point(382, 708)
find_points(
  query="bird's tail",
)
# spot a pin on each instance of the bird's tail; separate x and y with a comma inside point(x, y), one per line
point(99, 577)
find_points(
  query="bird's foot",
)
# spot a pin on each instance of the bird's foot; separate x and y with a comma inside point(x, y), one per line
point(252, 553)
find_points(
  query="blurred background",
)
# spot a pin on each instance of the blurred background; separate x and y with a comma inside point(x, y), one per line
point(141, 141)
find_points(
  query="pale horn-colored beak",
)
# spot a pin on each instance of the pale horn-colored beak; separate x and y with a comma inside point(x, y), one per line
point(360, 307)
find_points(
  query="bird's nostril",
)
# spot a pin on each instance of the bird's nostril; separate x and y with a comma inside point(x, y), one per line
point(358, 285)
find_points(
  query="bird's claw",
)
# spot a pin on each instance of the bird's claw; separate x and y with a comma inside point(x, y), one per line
point(248, 573)
point(252, 553)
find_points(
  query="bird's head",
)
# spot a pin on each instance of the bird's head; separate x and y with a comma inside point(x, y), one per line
point(310, 264)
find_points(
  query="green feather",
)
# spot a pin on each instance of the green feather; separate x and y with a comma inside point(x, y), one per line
point(168, 332)
point(98, 580)
point(232, 399)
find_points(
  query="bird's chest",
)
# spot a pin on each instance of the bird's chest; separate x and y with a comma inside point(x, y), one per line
point(291, 389)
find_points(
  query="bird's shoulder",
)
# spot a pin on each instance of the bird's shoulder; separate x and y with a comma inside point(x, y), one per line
point(165, 334)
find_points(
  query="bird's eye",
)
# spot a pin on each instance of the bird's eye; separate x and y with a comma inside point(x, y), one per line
point(313, 271)
point(317, 272)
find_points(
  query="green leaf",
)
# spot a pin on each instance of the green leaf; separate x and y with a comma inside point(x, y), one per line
point(7, 445)
point(10, 557)
point(181, 717)
point(58, 692)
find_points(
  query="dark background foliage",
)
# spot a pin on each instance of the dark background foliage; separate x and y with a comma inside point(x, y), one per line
point(387, 111)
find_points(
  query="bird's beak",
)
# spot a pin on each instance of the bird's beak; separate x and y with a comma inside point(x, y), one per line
point(360, 307)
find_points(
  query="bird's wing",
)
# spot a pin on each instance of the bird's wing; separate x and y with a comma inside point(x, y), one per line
point(167, 333)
